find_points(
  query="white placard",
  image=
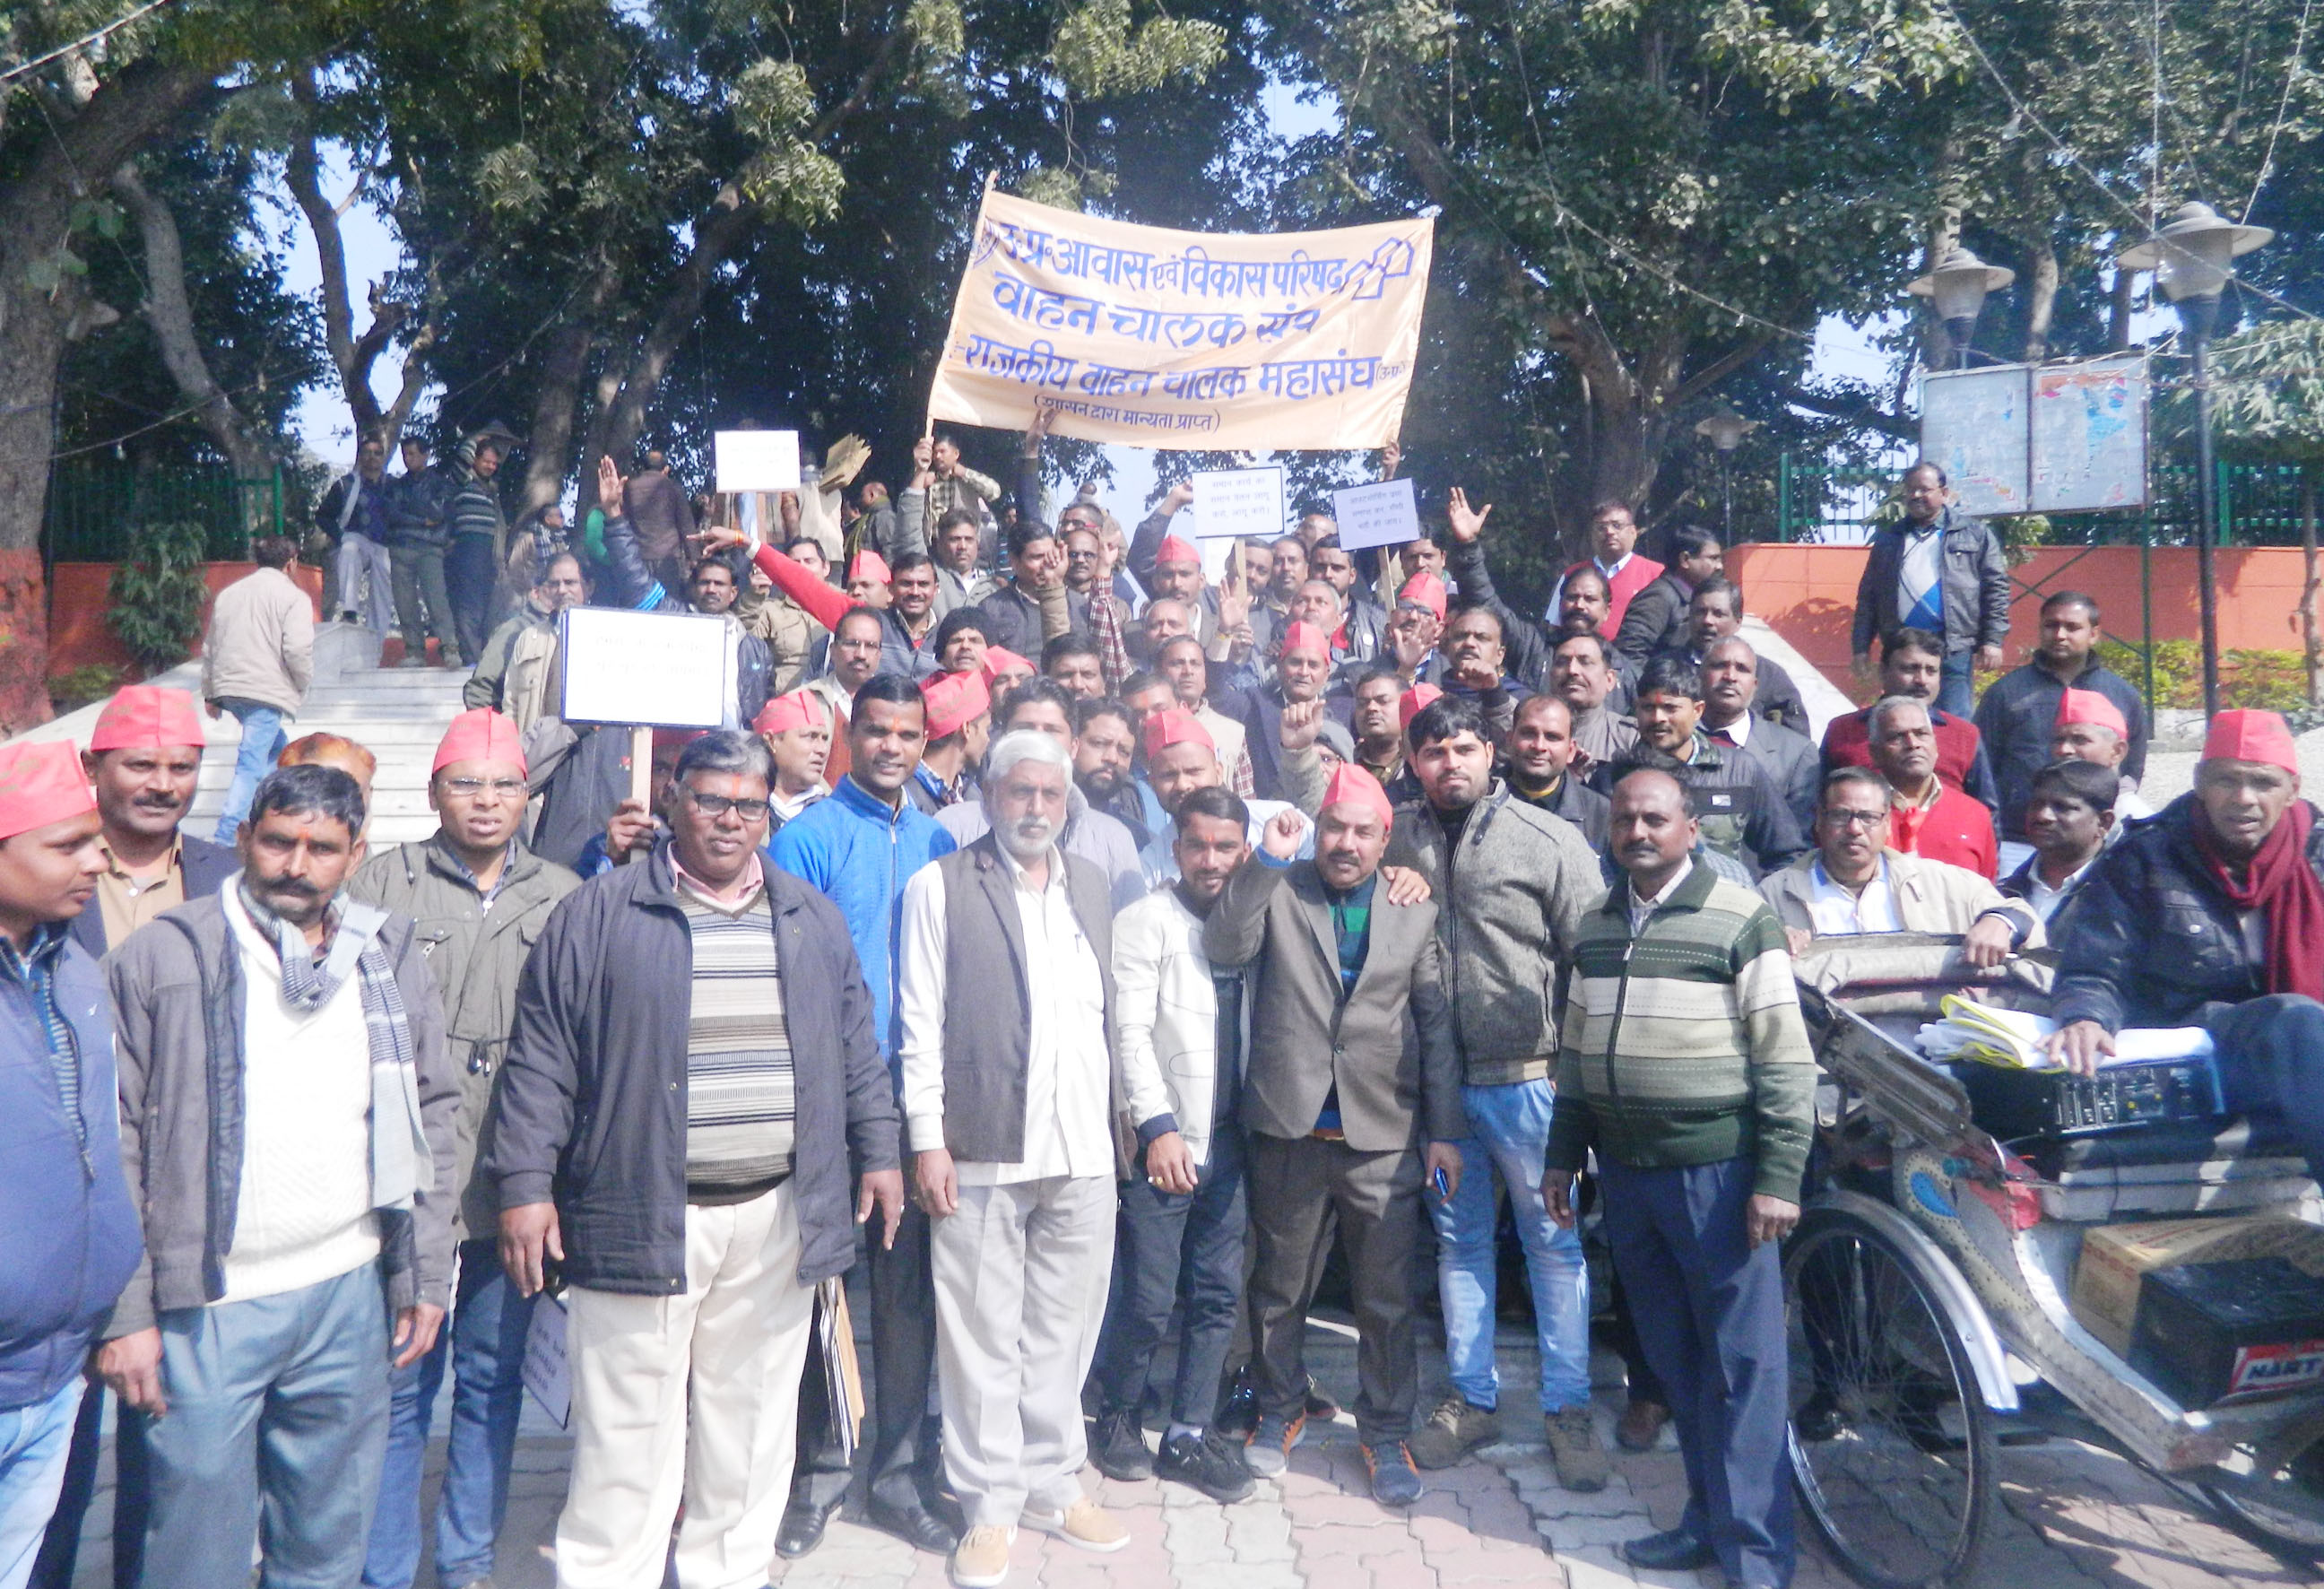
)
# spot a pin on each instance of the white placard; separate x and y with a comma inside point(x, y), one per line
point(1240, 503)
point(1386, 515)
point(1973, 425)
point(757, 460)
point(2089, 435)
point(547, 1372)
point(656, 669)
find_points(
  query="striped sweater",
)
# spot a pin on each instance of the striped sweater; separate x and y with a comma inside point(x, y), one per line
point(1684, 1045)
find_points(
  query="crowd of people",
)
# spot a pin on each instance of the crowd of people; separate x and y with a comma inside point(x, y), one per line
point(1087, 947)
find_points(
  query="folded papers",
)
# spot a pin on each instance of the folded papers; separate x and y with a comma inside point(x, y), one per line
point(2012, 1039)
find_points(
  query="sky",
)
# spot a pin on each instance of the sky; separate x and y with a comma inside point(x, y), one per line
point(321, 421)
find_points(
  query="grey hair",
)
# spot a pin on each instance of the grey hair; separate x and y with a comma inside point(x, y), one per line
point(1025, 744)
point(726, 750)
point(1890, 703)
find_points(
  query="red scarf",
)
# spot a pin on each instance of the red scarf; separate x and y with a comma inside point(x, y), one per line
point(2280, 882)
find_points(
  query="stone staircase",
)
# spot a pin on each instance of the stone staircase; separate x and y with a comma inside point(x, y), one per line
point(398, 714)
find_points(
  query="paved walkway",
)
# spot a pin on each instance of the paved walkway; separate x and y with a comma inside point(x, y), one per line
point(2074, 1517)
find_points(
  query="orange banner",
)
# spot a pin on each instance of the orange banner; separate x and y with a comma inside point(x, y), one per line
point(1151, 337)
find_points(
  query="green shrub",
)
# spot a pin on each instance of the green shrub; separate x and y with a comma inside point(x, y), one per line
point(158, 593)
point(76, 687)
point(2275, 679)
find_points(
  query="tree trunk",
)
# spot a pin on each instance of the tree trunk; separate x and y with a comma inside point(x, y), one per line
point(2040, 294)
point(2312, 641)
point(2118, 308)
point(35, 216)
point(556, 403)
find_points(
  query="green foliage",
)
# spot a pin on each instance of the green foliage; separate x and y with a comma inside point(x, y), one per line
point(2267, 399)
point(158, 592)
point(76, 687)
point(1102, 54)
point(2275, 679)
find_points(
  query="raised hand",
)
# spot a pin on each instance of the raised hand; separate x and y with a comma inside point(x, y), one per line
point(1391, 459)
point(1303, 724)
point(1282, 833)
point(609, 486)
point(1234, 599)
point(1465, 525)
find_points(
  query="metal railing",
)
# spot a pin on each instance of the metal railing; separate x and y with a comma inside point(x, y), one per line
point(94, 502)
point(2260, 505)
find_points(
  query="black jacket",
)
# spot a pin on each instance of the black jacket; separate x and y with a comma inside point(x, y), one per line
point(1743, 811)
point(1793, 761)
point(206, 866)
point(2019, 716)
point(592, 1102)
point(1976, 586)
point(1525, 650)
point(1578, 803)
point(1655, 621)
point(2149, 938)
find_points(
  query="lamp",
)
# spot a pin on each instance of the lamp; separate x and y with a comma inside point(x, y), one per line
point(1956, 285)
point(1725, 429)
point(2193, 258)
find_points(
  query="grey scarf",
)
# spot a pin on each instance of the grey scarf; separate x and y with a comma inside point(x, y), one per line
point(401, 1164)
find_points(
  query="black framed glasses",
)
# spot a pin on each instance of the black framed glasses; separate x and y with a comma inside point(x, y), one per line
point(711, 805)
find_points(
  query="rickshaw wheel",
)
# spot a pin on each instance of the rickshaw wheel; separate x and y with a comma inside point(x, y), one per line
point(1893, 1450)
point(2284, 1531)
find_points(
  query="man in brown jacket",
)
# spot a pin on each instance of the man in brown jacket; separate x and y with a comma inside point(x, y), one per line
point(1337, 1108)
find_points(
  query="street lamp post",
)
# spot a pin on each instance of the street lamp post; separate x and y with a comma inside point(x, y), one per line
point(2194, 259)
point(1725, 430)
point(1957, 286)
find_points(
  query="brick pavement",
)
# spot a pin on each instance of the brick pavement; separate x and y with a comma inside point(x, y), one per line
point(2072, 1516)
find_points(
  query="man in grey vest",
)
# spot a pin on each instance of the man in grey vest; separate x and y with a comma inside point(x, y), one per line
point(1010, 1092)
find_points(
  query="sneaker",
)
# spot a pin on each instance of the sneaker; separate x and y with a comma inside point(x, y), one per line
point(981, 1560)
point(1320, 1405)
point(1394, 1480)
point(1239, 1408)
point(1117, 1447)
point(1583, 1464)
point(1084, 1523)
point(1640, 1425)
point(1204, 1462)
point(1269, 1451)
point(1453, 1431)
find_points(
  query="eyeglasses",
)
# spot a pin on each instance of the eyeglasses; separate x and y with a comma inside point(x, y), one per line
point(711, 805)
point(499, 789)
point(1867, 820)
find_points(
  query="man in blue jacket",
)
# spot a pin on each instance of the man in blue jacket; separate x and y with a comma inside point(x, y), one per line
point(69, 1241)
point(859, 846)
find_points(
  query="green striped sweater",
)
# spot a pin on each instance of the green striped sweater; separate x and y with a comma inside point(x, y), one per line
point(1685, 1046)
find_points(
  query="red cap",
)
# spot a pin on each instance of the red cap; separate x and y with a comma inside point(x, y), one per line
point(1176, 726)
point(801, 708)
point(1299, 636)
point(1177, 549)
point(1414, 702)
point(954, 700)
point(676, 739)
point(41, 783)
point(146, 717)
point(479, 734)
point(868, 565)
point(999, 659)
point(1351, 785)
point(2088, 705)
point(1425, 589)
point(2246, 735)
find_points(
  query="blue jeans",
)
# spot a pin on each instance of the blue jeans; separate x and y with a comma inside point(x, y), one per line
point(484, 1341)
point(263, 740)
point(278, 1417)
point(35, 1442)
point(1957, 684)
point(1508, 1127)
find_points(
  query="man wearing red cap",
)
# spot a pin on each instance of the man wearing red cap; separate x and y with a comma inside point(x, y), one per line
point(480, 899)
point(1303, 672)
point(2091, 728)
point(144, 758)
point(959, 723)
point(1170, 566)
point(798, 732)
point(2212, 913)
point(867, 580)
point(1335, 1115)
point(1181, 757)
point(68, 1243)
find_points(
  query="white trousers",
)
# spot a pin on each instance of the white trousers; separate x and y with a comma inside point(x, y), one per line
point(694, 1396)
point(1021, 1273)
point(364, 570)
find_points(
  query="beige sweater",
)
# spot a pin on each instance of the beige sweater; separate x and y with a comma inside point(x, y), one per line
point(261, 643)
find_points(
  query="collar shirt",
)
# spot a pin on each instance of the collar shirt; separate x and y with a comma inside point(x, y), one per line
point(34, 969)
point(485, 896)
point(1840, 911)
point(1641, 910)
point(1737, 733)
point(128, 903)
point(787, 807)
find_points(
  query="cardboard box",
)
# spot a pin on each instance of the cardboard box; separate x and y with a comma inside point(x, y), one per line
point(2116, 1257)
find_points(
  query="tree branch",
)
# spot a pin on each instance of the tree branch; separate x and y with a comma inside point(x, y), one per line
point(1856, 411)
point(1719, 368)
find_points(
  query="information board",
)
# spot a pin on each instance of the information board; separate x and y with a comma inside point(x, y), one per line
point(1386, 515)
point(2089, 435)
point(1973, 426)
point(1239, 502)
point(658, 669)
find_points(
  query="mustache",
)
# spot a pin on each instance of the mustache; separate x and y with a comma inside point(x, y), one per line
point(289, 888)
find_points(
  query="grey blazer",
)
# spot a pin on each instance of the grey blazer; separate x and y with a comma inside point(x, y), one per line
point(1388, 1046)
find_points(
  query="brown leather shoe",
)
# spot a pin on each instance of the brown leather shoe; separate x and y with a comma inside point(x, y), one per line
point(1640, 1425)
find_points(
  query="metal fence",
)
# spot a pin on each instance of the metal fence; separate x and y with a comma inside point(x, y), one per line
point(94, 502)
point(2260, 505)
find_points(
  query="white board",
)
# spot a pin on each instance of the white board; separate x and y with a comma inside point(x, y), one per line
point(1239, 502)
point(657, 670)
point(757, 460)
point(2089, 435)
point(1386, 515)
point(1973, 426)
